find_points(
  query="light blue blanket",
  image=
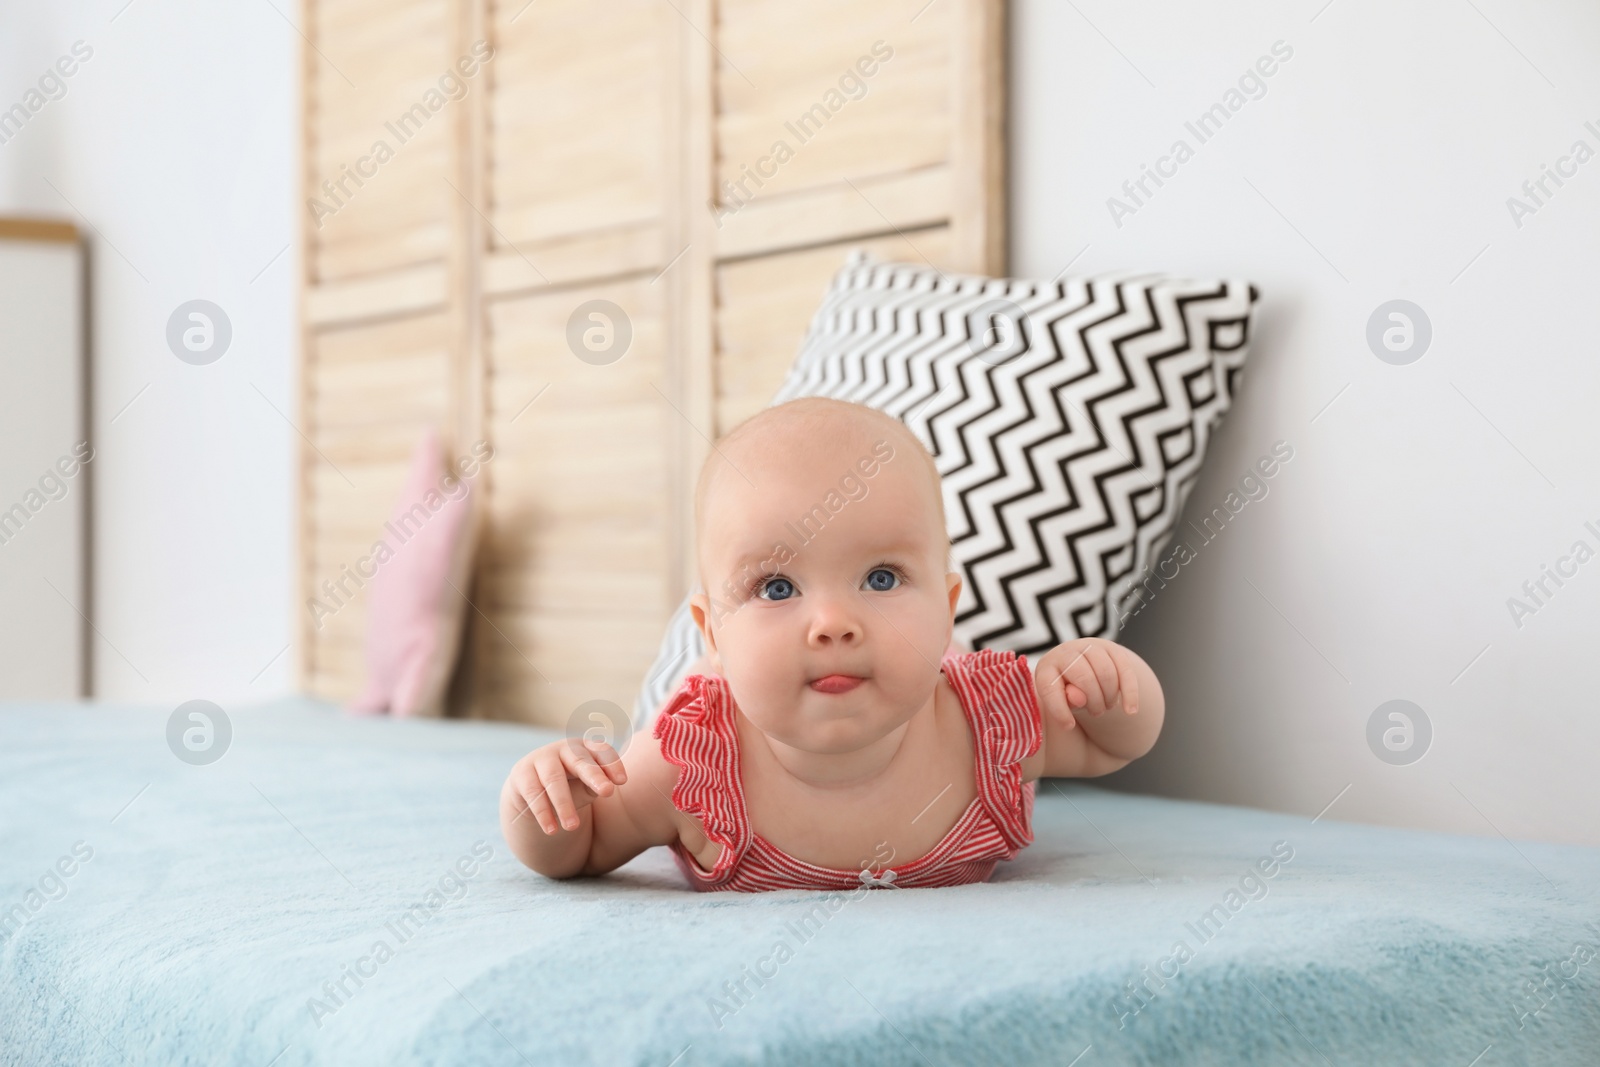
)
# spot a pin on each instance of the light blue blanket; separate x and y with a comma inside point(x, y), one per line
point(335, 891)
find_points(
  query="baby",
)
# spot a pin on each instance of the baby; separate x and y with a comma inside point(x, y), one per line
point(832, 737)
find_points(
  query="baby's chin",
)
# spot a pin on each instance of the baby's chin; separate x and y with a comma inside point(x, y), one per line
point(832, 723)
point(831, 740)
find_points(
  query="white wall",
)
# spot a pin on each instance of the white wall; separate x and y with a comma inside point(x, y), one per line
point(1376, 166)
point(173, 147)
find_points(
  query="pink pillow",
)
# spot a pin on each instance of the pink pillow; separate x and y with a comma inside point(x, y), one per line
point(414, 615)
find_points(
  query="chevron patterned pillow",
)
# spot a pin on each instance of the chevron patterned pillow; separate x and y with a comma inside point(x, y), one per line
point(1068, 420)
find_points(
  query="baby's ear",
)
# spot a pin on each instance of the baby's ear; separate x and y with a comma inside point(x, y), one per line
point(952, 583)
point(699, 608)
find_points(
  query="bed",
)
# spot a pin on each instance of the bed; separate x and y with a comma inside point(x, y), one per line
point(231, 912)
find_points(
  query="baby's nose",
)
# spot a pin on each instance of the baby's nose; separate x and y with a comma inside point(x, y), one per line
point(834, 620)
point(844, 635)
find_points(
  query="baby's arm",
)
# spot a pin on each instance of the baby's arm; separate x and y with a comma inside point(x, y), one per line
point(572, 807)
point(1078, 682)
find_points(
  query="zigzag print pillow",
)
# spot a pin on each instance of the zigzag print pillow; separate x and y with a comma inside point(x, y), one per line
point(1068, 421)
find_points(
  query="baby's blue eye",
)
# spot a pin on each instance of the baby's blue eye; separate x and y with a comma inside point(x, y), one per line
point(882, 580)
point(776, 589)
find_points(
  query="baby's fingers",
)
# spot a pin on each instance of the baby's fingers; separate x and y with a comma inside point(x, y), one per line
point(553, 776)
point(524, 783)
point(1055, 701)
point(577, 756)
point(528, 787)
point(1104, 664)
point(1128, 673)
point(608, 761)
point(541, 809)
point(1082, 682)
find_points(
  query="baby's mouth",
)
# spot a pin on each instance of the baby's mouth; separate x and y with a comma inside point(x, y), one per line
point(836, 683)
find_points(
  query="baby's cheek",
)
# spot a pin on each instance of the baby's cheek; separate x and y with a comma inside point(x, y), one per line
point(757, 652)
point(913, 635)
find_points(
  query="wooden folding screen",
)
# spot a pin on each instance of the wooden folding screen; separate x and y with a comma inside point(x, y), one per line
point(702, 165)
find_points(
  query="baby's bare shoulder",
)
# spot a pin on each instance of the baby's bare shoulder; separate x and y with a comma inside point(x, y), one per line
point(639, 814)
point(651, 804)
point(653, 778)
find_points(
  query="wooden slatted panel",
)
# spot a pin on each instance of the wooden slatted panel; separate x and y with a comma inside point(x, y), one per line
point(576, 140)
point(573, 568)
point(765, 305)
point(376, 60)
point(584, 164)
point(851, 89)
point(826, 140)
point(371, 392)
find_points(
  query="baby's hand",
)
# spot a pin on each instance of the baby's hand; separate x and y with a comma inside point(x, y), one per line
point(1088, 673)
point(544, 778)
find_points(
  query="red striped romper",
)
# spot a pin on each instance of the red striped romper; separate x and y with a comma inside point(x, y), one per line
point(697, 733)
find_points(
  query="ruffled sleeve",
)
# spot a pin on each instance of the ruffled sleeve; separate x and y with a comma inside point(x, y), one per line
point(698, 735)
point(1002, 706)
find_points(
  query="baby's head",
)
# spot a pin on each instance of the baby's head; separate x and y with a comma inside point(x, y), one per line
point(820, 533)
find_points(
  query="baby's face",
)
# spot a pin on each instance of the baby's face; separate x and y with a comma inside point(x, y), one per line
point(828, 599)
